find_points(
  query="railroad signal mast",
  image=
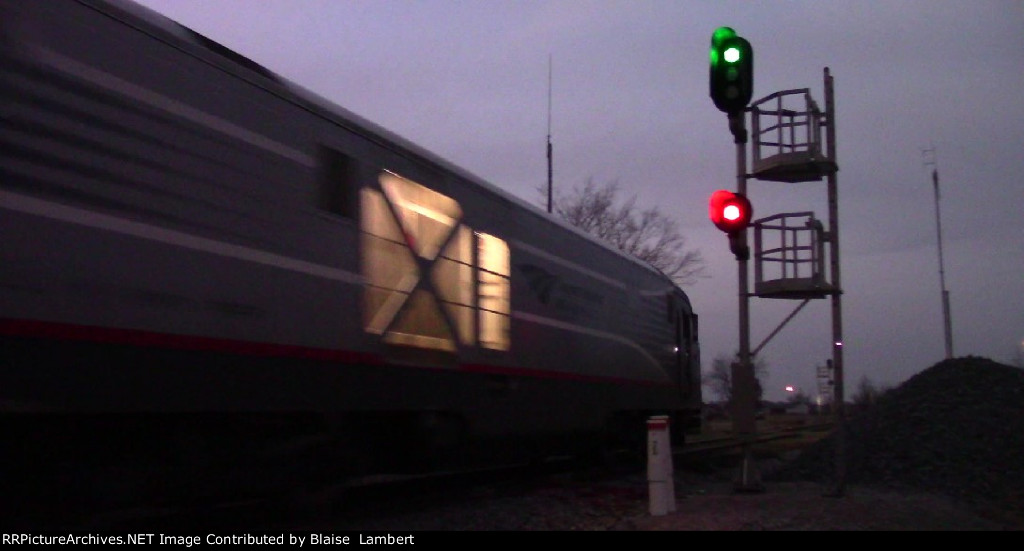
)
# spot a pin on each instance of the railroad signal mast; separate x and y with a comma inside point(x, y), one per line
point(787, 147)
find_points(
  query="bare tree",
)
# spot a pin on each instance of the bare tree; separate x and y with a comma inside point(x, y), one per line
point(867, 393)
point(719, 378)
point(647, 234)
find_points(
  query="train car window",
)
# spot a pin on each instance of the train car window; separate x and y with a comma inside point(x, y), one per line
point(339, 183)
point(388, 266)
point(427, 216)
point(453, 278)
point(406, 228)
point(410, 231)
point(494, 291)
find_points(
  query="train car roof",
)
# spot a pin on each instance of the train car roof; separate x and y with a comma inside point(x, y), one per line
point(265, 78)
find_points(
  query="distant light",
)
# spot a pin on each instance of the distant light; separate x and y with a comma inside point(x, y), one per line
point(789, 388)
point(839, 343)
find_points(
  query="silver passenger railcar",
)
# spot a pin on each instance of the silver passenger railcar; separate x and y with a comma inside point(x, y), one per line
point(188, 241)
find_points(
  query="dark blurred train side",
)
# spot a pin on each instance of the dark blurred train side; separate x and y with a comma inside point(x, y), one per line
point(195, 253)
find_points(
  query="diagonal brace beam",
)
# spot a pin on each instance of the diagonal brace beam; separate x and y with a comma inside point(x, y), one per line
point(779, 328)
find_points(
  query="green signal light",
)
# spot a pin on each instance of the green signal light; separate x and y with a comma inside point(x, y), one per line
point(731, 77)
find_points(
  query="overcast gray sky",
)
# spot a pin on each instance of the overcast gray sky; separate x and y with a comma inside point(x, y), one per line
point(468, 80)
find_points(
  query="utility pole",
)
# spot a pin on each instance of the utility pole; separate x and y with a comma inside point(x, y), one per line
point(947, 321)
point(550, 181)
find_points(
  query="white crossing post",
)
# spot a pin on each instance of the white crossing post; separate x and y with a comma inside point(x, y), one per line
point(661, 485)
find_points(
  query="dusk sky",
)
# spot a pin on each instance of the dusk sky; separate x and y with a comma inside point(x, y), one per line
point(629, 102)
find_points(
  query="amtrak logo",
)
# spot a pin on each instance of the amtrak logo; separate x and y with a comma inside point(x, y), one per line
point(552, 290)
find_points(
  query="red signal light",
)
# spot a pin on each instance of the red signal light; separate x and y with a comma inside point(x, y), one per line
point(730, 212)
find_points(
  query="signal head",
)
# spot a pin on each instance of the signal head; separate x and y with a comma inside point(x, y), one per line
point(731, 71)
point(730, 212)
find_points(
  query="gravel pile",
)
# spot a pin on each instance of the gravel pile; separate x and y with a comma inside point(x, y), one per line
point(955, 429)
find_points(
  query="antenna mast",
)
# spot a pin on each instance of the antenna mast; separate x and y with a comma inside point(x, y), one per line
point(550, 185)
point(946, 316)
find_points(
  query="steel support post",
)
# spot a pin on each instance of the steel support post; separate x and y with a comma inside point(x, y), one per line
point(744, 382)
point(839, 399)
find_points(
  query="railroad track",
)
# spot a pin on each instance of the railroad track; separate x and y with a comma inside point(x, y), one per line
point(368, 497)
point(388, 495)
point(718, 445)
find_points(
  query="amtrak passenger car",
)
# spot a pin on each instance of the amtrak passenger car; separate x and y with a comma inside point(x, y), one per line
point(184, 233)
